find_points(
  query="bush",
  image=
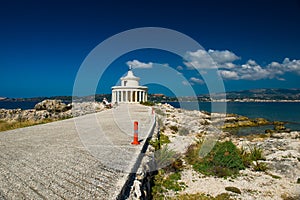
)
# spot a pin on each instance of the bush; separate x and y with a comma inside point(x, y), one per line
point(164, 182)
point(251, 159)
point(200, 196)
point(256, 154)
point(157, 143)
point(147, 103)
point(223, 160)
point(164, 157)
point(259, 166)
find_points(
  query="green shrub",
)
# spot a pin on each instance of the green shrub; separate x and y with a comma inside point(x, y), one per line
point(259, 166)
point(192, 153)
point(157, 143)
point(222, 161)
point(147, 103)
point(246, 157)
point(250, 158)
point(256, 154)
point(164, 182)
point(164, 157)
point(200, 196)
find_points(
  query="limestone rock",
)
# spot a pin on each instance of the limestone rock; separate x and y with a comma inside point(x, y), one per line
point(52, 106)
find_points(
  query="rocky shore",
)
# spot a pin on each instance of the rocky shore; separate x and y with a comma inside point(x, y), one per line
point(279, 178)
point(179, 129)
point(50, 109)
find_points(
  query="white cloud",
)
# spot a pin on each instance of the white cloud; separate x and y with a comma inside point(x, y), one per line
point(199, 59)
point(251, 62)
point(224, 61)
point(211, 59)
point(253, 71)
point(222, 57)
point(229, 74)
point(179, 68)
point(291, 65)
point(137, 64)
point(196, 80)
point(185, 83)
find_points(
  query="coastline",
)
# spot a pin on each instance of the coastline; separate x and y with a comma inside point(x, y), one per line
point(279, 180)
point(182, 128)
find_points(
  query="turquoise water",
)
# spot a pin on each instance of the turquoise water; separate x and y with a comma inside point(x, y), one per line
point(273, 111)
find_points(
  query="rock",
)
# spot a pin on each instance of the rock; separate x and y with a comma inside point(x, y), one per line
point(82, 108)
point(233, 189)
point(269, 131)
point(52, 106)
point(51, 109)
point(261, 121)
point(279, 128)
point(278, 123)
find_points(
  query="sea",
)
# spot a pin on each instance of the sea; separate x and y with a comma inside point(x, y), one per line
point(274, 111)
point(288, 112)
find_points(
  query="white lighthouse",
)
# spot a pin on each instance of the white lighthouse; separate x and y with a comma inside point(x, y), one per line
point(130, 91)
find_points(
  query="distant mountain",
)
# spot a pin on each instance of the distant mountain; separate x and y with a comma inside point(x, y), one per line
point(255, 94)
point(268, 94)
point(260, 94)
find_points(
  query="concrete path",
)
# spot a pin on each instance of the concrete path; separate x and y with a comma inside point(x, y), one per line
point(87, 157)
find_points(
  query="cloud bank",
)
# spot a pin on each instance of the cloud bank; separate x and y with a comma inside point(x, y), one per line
point(224, 61)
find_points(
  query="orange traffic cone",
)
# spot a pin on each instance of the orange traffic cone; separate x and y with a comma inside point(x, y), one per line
point(135, 136)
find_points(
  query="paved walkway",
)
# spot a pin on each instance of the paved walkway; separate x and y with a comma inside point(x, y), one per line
point(87, 157)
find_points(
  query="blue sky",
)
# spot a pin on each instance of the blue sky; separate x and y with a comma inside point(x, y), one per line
point(255, 44)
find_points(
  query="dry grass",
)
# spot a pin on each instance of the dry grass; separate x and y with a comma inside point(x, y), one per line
point(4, 125)
point(199, 196)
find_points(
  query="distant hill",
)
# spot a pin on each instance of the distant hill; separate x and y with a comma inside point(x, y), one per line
point(255, 94)
point(267, 94)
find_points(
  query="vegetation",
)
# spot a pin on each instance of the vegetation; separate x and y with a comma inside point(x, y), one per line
point(224, 160)
point(158, 142)
point(200, 196)
point(147, 103)
point(164, 157)
point(252, 158)
point(288, 197)
point(169, 166)
point(4, 125)
point(164, 182)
